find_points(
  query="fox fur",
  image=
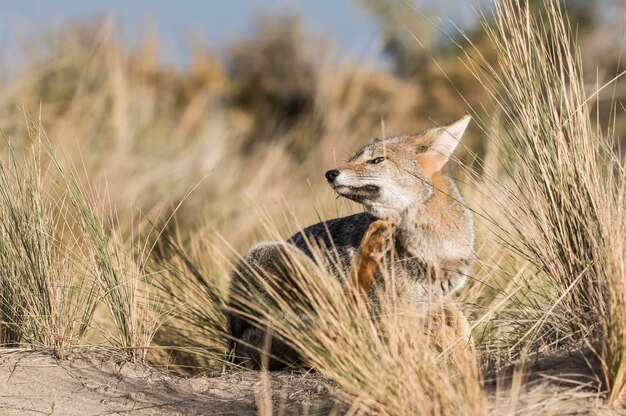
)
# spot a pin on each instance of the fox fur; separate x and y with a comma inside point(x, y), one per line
point(414, 216)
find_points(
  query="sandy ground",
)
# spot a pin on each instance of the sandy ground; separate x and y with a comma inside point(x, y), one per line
point(35, 383)
point(556, 384)
point(38, 384)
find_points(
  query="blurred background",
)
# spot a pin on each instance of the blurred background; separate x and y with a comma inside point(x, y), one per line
point(216, 110)
point(352, 27)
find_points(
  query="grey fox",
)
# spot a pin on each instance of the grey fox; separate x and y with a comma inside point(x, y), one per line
point(411, 208)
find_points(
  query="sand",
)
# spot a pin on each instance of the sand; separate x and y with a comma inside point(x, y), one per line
point(35, 383)
point(97, 383)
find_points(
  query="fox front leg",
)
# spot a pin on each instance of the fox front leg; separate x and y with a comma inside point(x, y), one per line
point(375, 244)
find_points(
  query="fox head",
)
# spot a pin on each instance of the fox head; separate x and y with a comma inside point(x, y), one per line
point(390, 175)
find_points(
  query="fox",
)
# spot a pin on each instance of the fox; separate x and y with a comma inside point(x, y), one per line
point(414, 222)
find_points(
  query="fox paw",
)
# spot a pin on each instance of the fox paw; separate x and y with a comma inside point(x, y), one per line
point(453, 283)
point(378, 239)
point(376, 243)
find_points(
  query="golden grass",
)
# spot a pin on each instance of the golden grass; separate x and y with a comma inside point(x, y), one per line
point(42, 304)
point(564, 193)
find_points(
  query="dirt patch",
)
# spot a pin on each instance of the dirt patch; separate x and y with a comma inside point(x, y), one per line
point(37, 383)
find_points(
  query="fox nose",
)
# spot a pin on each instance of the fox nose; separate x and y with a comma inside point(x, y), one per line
point(331, 175)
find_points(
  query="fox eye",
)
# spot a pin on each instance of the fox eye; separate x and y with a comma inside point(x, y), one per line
point(375, 161)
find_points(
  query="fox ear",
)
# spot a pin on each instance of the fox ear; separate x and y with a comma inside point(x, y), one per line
point(443, 141)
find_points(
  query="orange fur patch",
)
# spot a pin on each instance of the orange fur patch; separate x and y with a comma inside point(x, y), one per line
point(365, 274)
point(441, 185)
point(372, 249)
point(430, 164)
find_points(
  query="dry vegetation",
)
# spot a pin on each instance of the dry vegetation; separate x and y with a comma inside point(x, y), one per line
point(128, 187)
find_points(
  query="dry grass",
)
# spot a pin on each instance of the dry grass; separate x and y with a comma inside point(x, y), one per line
point(563, 186)
point(42, 304)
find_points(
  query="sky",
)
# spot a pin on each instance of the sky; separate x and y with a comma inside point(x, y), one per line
point(353, 30)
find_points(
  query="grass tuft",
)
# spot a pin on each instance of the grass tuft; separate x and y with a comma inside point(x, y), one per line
point(561, 186)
